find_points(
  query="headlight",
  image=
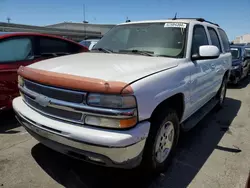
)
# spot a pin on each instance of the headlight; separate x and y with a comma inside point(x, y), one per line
point(20, 81)
point(110, 122)
point(111, 101)
point(235, 67)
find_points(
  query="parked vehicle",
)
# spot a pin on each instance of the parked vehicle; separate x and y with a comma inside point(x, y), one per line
point(18, 49)
point(125, 104)
point(89, 43)
point(240, 62)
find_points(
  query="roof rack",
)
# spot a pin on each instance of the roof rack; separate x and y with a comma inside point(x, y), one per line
point(197, 19)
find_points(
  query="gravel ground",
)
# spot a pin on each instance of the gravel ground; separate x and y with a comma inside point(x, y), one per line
point(216, 153)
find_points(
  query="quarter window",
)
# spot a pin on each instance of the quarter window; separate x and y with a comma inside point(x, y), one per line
point(57, 46)
point(225, 40)
point(48, 45)
point(214, 38)
point(199, 38)
point(18, 49)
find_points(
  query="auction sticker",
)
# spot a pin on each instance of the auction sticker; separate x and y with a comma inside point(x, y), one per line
point(175, 24)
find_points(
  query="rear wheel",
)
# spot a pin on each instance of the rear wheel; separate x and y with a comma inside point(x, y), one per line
point(161, 142)
point(221, 95)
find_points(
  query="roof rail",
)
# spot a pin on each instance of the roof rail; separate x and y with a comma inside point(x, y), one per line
point(197, 19)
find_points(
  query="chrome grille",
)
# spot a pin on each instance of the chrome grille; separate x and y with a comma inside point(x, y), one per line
point(56, 93)
point(64, 104)
point(55, 112)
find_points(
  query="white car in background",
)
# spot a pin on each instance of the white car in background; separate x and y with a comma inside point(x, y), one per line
point(89, 43)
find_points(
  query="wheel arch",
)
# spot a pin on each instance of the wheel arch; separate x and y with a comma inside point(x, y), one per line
point(175, 102)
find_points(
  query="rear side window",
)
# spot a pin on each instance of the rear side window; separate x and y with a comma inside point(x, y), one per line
point(214, 38)
point(225, 40)
point(57, 46)
point(16, 49)
point(199, 38)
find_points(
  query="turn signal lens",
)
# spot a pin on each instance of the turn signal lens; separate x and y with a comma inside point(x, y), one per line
point(110, 123)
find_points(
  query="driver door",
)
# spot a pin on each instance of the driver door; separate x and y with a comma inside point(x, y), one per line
point(202, 72)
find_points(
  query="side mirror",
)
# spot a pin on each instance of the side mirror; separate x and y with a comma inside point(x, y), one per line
point(207, 52)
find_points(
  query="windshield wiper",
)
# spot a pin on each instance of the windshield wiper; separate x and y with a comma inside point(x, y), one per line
point(141, 52)
point(164, 56)
point(102, 50)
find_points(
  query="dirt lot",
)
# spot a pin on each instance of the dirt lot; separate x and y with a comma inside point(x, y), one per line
point(214, 154)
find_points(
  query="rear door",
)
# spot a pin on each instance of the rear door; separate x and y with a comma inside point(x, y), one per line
point(226, 54)
point(14, 52)
point(216, 64)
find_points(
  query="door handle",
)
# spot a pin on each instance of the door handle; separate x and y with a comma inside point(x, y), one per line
point(213, 66)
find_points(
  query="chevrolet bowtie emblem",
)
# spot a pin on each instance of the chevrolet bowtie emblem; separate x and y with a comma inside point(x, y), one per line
point(42, 100)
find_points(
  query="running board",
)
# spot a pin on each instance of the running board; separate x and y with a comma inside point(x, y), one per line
point(199, 115)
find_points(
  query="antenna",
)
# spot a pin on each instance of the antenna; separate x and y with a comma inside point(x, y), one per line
point(175, 16)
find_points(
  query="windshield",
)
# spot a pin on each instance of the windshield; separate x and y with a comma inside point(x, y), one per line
point(235, 53)
point(160, 39)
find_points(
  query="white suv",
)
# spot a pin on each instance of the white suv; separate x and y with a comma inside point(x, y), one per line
point(124, 103)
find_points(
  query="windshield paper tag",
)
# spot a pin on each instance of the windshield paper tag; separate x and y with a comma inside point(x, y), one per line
point(178, 25)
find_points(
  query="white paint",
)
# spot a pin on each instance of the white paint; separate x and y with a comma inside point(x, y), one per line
point(209, 51)
point(114, 67)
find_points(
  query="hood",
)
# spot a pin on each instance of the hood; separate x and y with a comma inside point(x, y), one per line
point(236, 62)
point(105, 66)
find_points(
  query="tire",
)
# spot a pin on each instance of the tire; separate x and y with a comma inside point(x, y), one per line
point(221, 95)
point(167, 122)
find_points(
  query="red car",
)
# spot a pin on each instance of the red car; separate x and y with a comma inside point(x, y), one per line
point(18, 49)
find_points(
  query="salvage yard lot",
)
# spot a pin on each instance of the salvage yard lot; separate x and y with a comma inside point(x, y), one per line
point(216, 153)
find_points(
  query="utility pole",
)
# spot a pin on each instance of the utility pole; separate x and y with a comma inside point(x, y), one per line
point(84, 20)
point(8, 19)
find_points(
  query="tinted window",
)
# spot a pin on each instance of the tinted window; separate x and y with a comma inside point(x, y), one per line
point(199, 38)
point(48, 45)
point(17, 49)
point(57, 46)
point(235, 53)
point(164, 39)
point(214, 38)
point(225, 40)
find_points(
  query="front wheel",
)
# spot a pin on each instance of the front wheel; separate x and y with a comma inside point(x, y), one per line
point(161, 142)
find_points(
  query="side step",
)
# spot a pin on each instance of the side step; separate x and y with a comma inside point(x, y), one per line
point(199, 115)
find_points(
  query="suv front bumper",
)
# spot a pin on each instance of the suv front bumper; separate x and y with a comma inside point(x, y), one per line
point(113, 148)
